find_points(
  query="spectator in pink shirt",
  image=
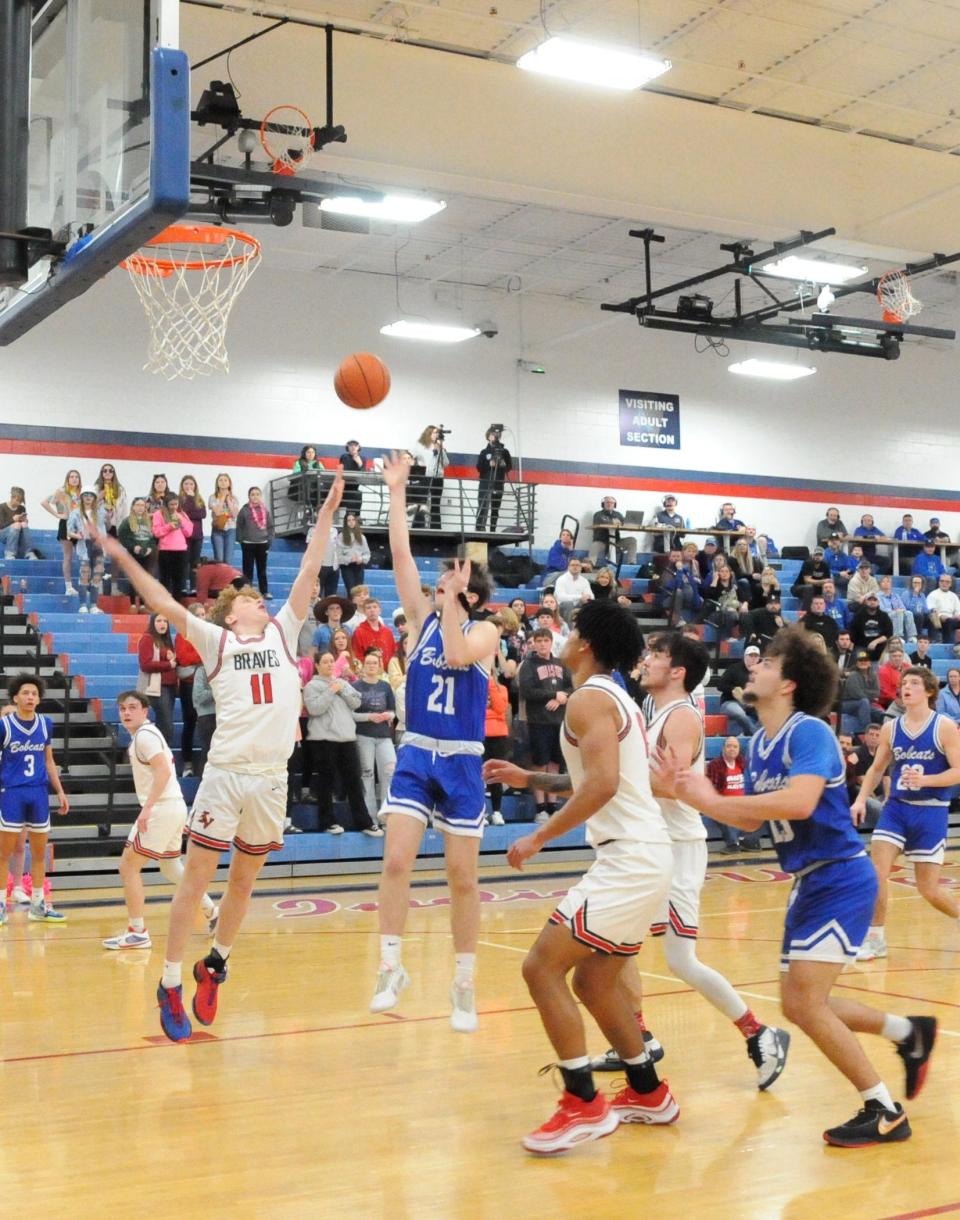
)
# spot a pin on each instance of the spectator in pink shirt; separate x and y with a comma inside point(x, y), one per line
point(172, 528)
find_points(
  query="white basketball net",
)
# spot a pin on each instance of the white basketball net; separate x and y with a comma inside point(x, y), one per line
point(893, 293)
point(188, 279)
point(291, 147)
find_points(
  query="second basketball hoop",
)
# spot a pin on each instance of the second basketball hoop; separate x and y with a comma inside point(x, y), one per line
point(288, 138)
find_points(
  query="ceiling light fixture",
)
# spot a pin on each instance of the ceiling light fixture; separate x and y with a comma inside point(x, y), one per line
point(402, 209)
point(813, 270)
point(590, 64)
point(429, 332)
point(773, 370)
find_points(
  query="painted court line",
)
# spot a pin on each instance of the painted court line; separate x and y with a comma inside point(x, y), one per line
point(491, 944)
point(926, 1211)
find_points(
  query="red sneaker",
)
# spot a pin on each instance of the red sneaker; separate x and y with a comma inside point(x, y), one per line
point(573, 1122)
point(205, 999)
point(658, 1107)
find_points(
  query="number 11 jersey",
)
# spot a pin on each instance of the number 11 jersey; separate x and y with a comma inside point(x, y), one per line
point(443, 702)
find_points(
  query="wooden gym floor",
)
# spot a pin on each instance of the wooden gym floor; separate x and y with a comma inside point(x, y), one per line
point(299, 1103)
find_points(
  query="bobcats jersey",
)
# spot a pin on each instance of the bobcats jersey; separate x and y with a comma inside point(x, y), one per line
point(146, 744)
point(23, 745)
point(445, 703)
point(633, 815)
point(918, 750)
point(256, 687)
point(683, 821)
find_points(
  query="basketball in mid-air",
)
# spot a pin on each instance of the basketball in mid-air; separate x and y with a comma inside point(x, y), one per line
point(362, 380)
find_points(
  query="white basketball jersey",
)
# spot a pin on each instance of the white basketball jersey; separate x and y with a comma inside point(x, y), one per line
point(147, 743)
point(256, 687)
point(633, 815)
point(683, 821)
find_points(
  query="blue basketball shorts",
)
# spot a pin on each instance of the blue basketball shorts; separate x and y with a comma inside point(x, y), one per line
point(919, 831)
point(446, 789)
point(829, 912)
point(27, 806)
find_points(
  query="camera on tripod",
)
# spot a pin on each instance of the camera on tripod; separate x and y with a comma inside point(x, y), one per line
point(442, 433)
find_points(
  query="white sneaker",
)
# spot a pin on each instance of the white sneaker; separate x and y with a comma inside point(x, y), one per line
point(542, 817)
point(83, 610)
point(390, 982)
point(872, 947)
point(768, 1050)
point(463, 1016)
point(95, 610)
point(69, 591)
point(212, 920)
point(128, 940)
point(496, 818)
point(375, 832)
point(19, 896)
point(335, 829)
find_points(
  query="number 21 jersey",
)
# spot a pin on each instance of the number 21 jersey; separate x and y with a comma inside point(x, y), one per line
point(443, 702)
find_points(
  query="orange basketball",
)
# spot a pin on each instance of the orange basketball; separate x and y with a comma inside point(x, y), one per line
point(362, 381)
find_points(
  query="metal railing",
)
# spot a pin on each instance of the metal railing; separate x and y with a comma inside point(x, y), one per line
point(453, 507)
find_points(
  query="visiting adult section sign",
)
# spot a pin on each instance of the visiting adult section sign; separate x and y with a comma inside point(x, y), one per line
point(649, 420)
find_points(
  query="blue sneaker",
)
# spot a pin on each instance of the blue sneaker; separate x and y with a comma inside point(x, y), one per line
point(43, 912)
point(173, 1020)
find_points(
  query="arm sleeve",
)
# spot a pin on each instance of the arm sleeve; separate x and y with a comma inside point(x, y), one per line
point(205, 637)
point(814, 751)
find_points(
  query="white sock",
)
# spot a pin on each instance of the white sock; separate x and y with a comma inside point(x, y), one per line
point(466, 966)
point(896, 1028)
point(136, 925)
point(573, 1064)
point(643, 1057)
point(880, 1093)
point(223, 950)
point(390, 950)
point(876, 933)
point(171, 976)
point(209, 906)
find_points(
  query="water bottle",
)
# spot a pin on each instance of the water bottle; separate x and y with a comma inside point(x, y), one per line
point(689, 526)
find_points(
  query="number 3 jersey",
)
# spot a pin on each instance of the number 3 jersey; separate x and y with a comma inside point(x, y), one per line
point(256, 687)
point(23, 745)
point(804, 745)
point(444, 703)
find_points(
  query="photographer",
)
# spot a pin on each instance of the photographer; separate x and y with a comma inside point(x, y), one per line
point(494, 463)
point(431, 455)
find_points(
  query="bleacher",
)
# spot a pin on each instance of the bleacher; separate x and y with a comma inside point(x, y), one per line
point(88, 659)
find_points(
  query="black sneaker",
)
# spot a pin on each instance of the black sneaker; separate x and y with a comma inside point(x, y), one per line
point(874, 1124)
point(915, 1052)
point(610, 1061)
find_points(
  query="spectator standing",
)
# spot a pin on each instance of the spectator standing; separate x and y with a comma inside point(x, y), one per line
point(667, 517)
point(345, 664)
point(494, 463)
point(572, 589)
point(206, 710)
point(891, 602)
point(172, 529)
point(157, 495)
point(731, 684)
point(353, 463)
point(136, 536)
point(725, 772)
point(188, 663)
point(928, 564)
point(193, 506)
point(255, 535)
point(862, 584)
point(224, 509)
point(373, 633)
point(332, 745)
point(353, 552)
point(304, 485)
point(948, 701)
point(431, 455)
point(85, 523)
point(830, 527)
point(496, 741)
point(60, 504)
point(943, 606)
point(157, 680)
point(871, 627)
point(545, 686)
point(375, 716)
point(112, 496)
point(15, 527)
point(330, 614)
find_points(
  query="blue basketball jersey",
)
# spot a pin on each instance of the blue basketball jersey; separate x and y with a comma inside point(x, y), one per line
point(919, 750)
point(22, 749)
point(805, 746)
point(443, 702)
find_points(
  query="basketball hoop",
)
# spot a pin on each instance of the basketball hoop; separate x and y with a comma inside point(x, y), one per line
point(188, 278)
point(893, 293)
point(287, 136)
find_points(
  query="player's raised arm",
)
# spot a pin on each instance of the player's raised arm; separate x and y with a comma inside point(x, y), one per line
point(299, 600)
point(150, 589)
point(396, 473)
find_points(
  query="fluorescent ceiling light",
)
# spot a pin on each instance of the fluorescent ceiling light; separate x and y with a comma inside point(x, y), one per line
point(404, 209)
point(773, 370)
point(816, 271)
point(570, 59)
point(430, 332)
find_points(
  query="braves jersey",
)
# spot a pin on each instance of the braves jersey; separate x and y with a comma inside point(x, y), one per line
point(683, 821)
point(146, 744)
point(632, 815)
point(804, 745)
point(256, 687)
point(918, 750)
point(444, 702)
point(23, 745)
